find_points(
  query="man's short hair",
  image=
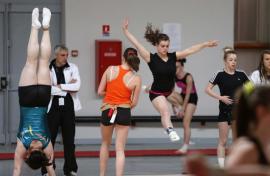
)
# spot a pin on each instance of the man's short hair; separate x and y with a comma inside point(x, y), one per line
point(60, 47)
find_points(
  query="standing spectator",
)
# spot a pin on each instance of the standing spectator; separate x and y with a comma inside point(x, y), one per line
point(64, 102)
point(262, 74)
point(228, 80)
point(249, 154)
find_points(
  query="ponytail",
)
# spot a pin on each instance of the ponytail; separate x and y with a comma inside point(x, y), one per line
point(154, 36)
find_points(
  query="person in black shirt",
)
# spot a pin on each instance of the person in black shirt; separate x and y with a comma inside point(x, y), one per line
point(228, 80)
point(163, 67)
point(249, 154)
point(63, 104)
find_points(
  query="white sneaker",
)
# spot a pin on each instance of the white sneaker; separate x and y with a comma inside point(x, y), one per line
point(72, 173)
point(174, 136)
point(46, 18)
point(35, 15)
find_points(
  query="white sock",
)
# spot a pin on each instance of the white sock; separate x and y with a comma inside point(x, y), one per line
point(184, 148)
point(35, 22)
point(221, 162)
point(46, 18)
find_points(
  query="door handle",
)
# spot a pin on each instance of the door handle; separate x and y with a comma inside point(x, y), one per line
point(3, 83)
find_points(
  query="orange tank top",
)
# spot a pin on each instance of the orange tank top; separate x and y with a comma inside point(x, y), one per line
point(116, 90)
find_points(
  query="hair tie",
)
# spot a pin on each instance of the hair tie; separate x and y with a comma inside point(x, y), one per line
point(248, 88)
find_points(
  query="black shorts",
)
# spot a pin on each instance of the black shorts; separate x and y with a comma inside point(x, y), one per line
point(193, 98)
point(123, 117)
point(225, 116)
point(152, 96)
point(34, 95)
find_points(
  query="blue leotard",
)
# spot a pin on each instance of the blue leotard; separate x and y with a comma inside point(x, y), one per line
point(33, 126)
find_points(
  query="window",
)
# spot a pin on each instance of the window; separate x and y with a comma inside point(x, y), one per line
point(252, 26)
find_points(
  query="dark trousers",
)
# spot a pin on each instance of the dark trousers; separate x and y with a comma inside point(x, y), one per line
point(64, 117)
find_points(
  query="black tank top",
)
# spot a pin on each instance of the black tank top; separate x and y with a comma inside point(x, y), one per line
point(262, 158)
point(163, 72)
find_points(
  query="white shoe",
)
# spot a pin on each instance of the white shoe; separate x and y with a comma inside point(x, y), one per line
point(46, 18)
point(72, 173)
point(174, 136)
point(35, 15)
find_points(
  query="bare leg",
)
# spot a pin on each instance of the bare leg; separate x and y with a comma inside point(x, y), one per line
point(190, 109)
point(45, 52)
point(186, 121)
point(29, 72)
point(120, 143)
point(223, 136)
point(161, 105)
point(106, 132)
point(175, 99)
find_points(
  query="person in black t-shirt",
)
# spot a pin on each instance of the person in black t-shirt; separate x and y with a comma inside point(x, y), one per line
point(163, 68)
point(228, 80)
point(249, 154)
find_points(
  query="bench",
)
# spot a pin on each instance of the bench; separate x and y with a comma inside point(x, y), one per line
point(95, 119)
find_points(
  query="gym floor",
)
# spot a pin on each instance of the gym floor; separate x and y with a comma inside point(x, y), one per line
point(142, 158)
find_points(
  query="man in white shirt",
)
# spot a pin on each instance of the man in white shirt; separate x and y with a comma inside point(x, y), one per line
point(64, 102)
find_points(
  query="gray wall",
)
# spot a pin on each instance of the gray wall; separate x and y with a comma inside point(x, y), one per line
point(200, 20)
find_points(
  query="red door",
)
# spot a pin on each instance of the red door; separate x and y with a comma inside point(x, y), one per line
point(108, 52)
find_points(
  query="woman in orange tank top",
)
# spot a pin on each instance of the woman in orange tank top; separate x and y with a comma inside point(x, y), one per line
point(120, 87)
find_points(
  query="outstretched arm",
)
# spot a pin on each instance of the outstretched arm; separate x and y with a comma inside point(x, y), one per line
point(195, 48)
point(142, 51)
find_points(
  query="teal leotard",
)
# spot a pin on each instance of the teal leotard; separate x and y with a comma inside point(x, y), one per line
point(33, 126)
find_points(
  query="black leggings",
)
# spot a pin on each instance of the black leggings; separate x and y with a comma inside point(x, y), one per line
point(34, 95)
